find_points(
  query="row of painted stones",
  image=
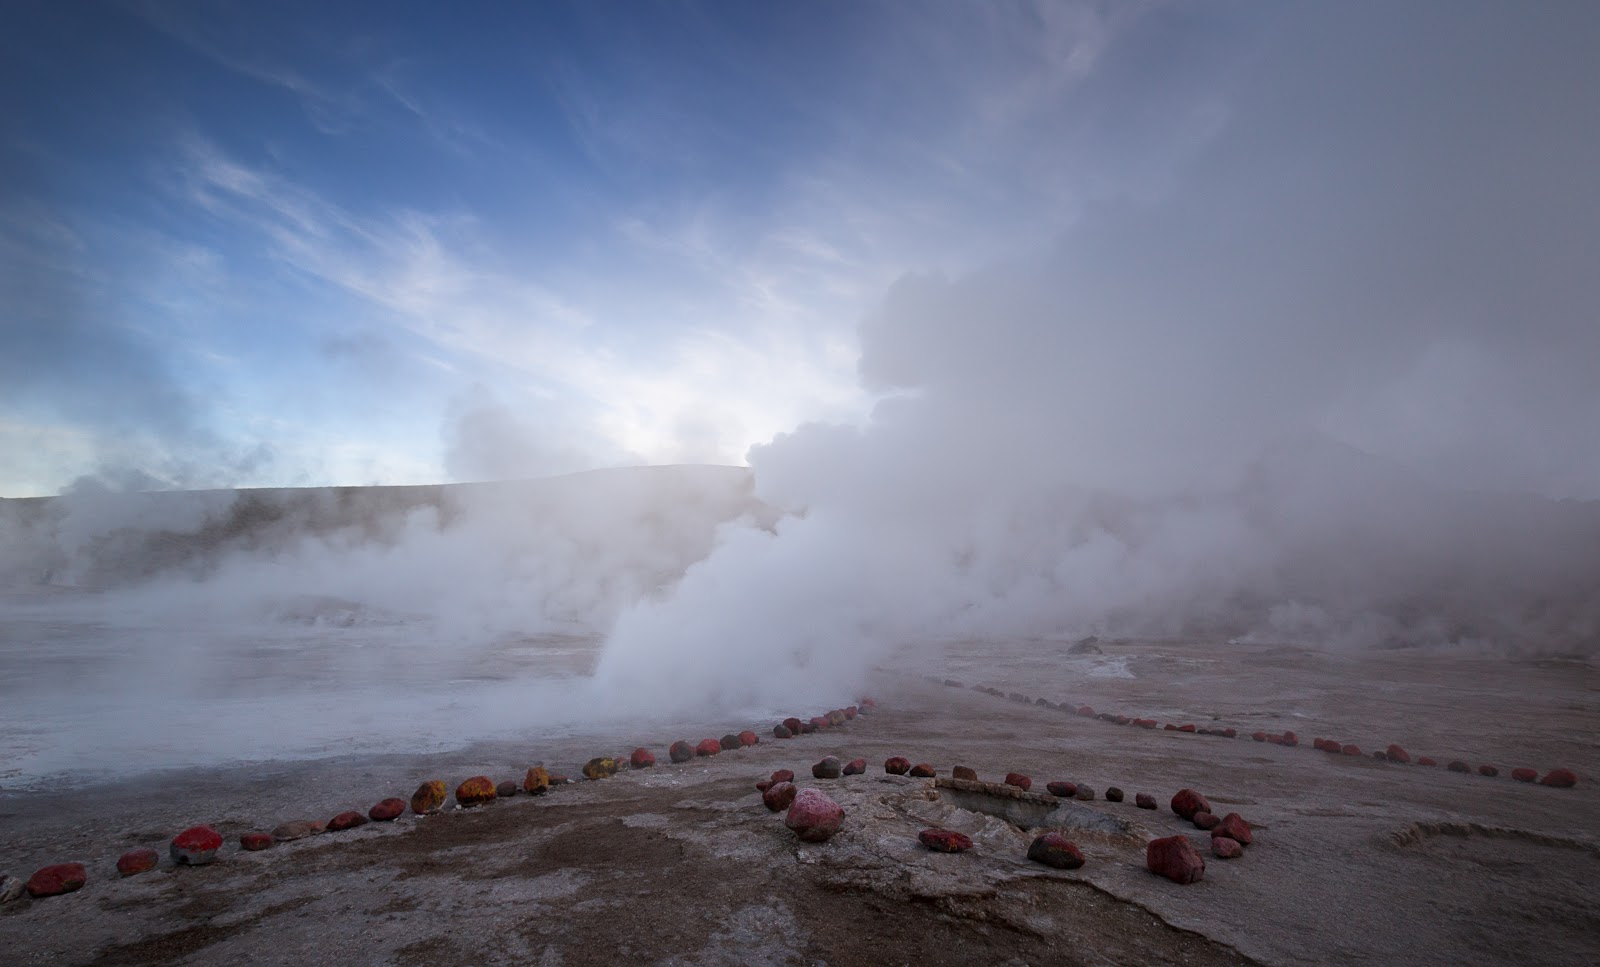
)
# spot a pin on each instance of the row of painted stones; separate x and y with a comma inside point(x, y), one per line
point(814, 817)
point(199, 845)
point(1555, 778)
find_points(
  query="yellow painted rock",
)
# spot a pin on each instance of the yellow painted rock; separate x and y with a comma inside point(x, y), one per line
point(475, 791)
point(537, 782)
point(603, 767)
point(429, 797)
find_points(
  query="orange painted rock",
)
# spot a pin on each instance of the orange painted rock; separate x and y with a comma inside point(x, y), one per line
point(748, 738)
point(1175, 858)
point(1488, 770)
point(1113, 794)
point(1063, 790)
point(386, 810)
point(301, 828)
point(897, 765)
point(475, 791)
point(1524, 775)
point(429, 798)
point(1559, 779)
point(1188, 802)
point(855, 767)
point(1054, 849)
point(641, 759)
point(708, 748)
point(923, 770)
point(1234, 827)
point(142, 860)
point(536, 782)
point(56, 880)
point(195, 846)
point(680, 751)
point(945, 840)
point(779, 795)
point(600, 767)
point(1019, 780)
point(1396, 754)
point(1144, 800)
point(963, 772)
point(1224, 848)
point(729, 742)
point(256, 842)
point(813, 816)
point(348, 820)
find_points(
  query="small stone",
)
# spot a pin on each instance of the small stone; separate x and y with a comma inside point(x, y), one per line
point(1175, 858)
point(1145, 801)
point(806, 728)
point(1525, 775)
point(897, 765)
point(828, 768)
point(1234, 827)
point(505, 790)
point(1019, 780)
point(1204, 820)
point(537, 781)
point(813, 816)
point(1063, 790)
point(1488, 770)
point(142, 860)
point(350, 820)
point(195, 846)
point(851, 711)
point(1559, 779)
point(1169, 727)
point(748, 738)
point(781, 731)
point(1396, 754)
point(475, 791)
point(1289, 738)
point(963, 772)
point(389, 810)
point(730, 742)
point(256, 842)
point(945, 840)
point(1113, 794)
point(1054, 849)
point(1145, 723)
point(1380, 755)
point(779, 795)
point(1427, 761)
point(680, 751)
point(1084, 793)
point(867, 703)
point(1230, 733)
point(56, 880)
point(1259, 736)
point(1224, 848)
point(300, 829)
point(1188, 802)
point(1459, 766)
point(429, 798)
point(855, 767)
point(1350, 749)
point(600, 767)
point(764, 785)
point(1086, 711)
point(1186, 728)
point(641, 758)
point(923, 770)
point(783, 775)
point(11, 888)
point(793, 725)
point(836, 717)
point(557, 779)
point(708, 748)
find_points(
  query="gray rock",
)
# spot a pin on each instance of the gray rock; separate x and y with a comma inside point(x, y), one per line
point(10, 888)
point(829, 768)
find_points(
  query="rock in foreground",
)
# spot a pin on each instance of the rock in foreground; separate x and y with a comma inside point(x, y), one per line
point(1054, 849)
point(945, 840)
point(1175, 858)
point(58, 879)
point(813, 816)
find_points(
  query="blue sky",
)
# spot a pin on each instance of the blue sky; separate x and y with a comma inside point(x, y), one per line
point(306, 244)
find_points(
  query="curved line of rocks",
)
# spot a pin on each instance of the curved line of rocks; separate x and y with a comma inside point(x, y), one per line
point(1559, 778)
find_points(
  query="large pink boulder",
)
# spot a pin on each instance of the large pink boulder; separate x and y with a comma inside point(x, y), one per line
point(1175, 858)
point(1188, 802)
point(196, 846)
point(813, 816)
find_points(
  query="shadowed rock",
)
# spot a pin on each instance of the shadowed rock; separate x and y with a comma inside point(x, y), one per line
point(1224, 848)
point(1113, 794)
point(1054, 849)
point(1144, 800)
point(195, 846)
point(963, 772)
point(502, 790)
point(1187, 802)
point(1205, 821)
point(142, 860)
point(349, 819)
point(945, 840)
point(680, 751)
point(897, 765)
point(56, 880)
point(778, 796)
point(256, 842)
point(1065, 790)
point(600, 767)
point(855, 767)
point(429, 798)
point(1175, 858)
point(729, 742)
point(829, 768)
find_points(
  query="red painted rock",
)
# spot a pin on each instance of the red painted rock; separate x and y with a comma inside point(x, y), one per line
point(748, 738)
point(897, 765)
point(1064, 790)
point(1145, 723)
point(1289, 738)
point(1122, 720)
point(1234, 827)
point(505, 790)
point(142, 860)
point(1396, 754)
point(1559, 779)
point(779, 795)
point(708, 747)
point(945, 840)
point(1380, 755)
point(813, 816)
point(1186, 728)
point(1086, 711)
point(855, 767)
point(730, 742)
point(1054, 849)
point(641, 759)
point(1169, 727)
point(1320, 744)
point(537, 782)
point(1427, 761)
point(1259, 736)
point(851, 712)
point(867, 703)
point(1524, 775)
point(475, 791)
point(828, 768)
point(793, 725)
point(1230, 733)
point(1144, 800)
point(429, 798)
point(1350, 749)
point(764, 785)
point(1204, 820)
point(1224, 848)
point(56, 880)
point(1019, 780)
point(1175, 858)
point(923, 770)
point(680, 751)
point(348, 820)
point(1188, 802)
point(256, 842)
point(783, 775)
point(964, 772)
point(600, 767)
point(389, 810)
point(195, 846)
point(1488, 770)
point(806, 728)
point(781, 731)
point(300, 829)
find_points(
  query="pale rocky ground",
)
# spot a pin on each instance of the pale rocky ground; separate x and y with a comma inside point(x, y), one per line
point(682, 865)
